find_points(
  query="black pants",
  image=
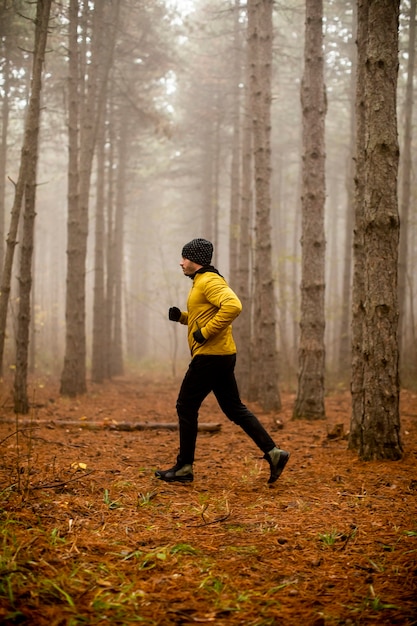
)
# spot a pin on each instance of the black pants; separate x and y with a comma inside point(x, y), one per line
point(208, 373)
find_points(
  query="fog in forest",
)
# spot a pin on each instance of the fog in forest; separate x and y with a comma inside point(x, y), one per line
point(171, 99)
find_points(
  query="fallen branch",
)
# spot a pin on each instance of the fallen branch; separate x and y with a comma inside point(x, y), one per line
point(124, 426)
point(20, 430)
point(129, 426)
point(215, 521)
point(61, 483)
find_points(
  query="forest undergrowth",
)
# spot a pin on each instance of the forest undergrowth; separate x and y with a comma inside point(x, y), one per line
point(90, 536)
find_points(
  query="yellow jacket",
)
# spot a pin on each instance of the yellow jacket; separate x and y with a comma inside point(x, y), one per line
point(211, 307)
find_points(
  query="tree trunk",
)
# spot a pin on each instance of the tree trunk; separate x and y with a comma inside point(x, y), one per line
point(73, 381)
point(234, 231)
point(98, 353)
point(309, 403)
point(207, 183)
point(117, 347)
point(94, 76)
point(30, 154)
point(216, 178)
point(5, 110)
point(358, 285)
point(280, 218)
point(408, 359)
point(11, 242)
point(260, 14)
point(242, 326)
point(295, 273)
point(345, 339)
point(110, 243)
point(376, 430)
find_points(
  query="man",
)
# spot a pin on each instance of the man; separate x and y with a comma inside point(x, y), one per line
point(211, 308)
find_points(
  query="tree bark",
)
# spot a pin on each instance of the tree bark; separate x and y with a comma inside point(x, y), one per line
point(375, 427)
point(309, 402)
point(73, 380)
point(358, 285)
point(260, 45)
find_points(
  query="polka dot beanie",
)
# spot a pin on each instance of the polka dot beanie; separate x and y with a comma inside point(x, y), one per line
point(198, 251)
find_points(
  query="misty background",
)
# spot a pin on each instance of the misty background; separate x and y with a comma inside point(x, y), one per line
point(170, 105)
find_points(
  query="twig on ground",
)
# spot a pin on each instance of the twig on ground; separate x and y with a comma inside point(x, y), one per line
point(20, 430)
point(62, 483)
point(215, 521)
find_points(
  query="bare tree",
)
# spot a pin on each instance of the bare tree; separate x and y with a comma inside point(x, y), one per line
point(309, 402)
point(375, 424)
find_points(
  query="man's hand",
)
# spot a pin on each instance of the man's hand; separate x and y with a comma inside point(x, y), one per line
point(198, 336)
point(174, 314)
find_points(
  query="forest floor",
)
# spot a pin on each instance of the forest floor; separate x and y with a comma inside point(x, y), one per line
point(90, 536)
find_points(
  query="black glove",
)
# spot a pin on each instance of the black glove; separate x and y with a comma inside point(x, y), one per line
point(198, 336)
point(174, 314)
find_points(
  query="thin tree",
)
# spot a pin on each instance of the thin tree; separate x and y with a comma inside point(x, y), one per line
point(309, 402)
point(5, 110)
point(345, 339)
point(98, 353)
point(30, 143)
point(234, 235)
point(110, 278)
point(407, 356)
point(358, 285)
point(375, 424)
point(12, 29)
point(73, 198)
point(260, 45)
point(30, 156)
point(243, 274)
point(102, 318)
point(116, 357)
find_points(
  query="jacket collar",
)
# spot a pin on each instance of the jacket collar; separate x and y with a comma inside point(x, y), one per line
point(203, 270)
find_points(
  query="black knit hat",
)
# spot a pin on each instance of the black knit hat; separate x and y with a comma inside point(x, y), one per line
point(198, 251)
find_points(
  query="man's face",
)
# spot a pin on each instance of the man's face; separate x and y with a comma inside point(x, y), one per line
point(189, 267)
